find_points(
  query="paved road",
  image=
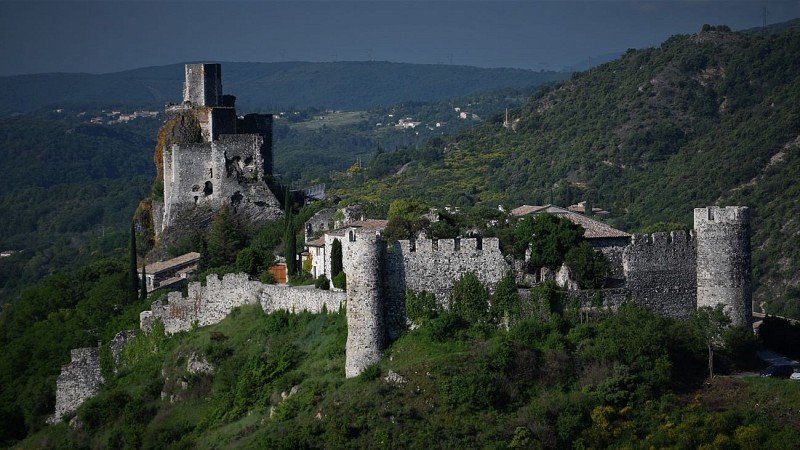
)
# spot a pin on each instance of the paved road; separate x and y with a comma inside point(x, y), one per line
point(775, 359)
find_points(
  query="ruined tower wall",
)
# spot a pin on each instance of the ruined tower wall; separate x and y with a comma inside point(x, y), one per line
point(79, 380)
point(187, 168)
point(213, 159)
point(432, 265)
point(365, 321)
point(660, 272)
point(723, 260)
point(203, 84)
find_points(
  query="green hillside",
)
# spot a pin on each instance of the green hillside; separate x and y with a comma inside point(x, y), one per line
point(268, 87)
point(709, 118)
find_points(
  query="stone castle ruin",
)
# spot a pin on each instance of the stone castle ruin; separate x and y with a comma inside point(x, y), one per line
point(212, 158)
point(670, 274)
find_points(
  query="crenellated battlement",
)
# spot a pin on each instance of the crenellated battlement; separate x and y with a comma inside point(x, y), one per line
point(733, 215)
point(456, 245)
point(663, 239)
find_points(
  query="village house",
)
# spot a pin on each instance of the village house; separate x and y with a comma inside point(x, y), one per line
point(163, 274)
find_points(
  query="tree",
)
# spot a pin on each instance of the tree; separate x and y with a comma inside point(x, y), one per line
point(336, 258)
point(133, 273)
point(505, 307)
point(224, 240)
point(589, 267)
point(143, 286)
point(290, 250)
point(289, 239)
point(407, 209)
point(549, 237)
point(470, 299)
point(708, 324)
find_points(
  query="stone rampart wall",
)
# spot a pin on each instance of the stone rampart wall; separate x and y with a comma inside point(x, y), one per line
point(612, 249)
point(210, 304)
point(660, 272)
point(79, 380)
point(432, 265)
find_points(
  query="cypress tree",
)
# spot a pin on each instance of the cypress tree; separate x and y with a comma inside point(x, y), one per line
point(289, 239)
point(336, 258)
point(133, 276)
point(143, 286)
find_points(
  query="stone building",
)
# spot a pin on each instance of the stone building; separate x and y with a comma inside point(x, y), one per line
point(212, 158)
point(163, 274)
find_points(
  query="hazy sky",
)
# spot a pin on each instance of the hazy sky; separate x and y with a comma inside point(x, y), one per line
point(109, 36)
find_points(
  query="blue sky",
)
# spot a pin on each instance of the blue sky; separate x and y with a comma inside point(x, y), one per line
point(109, 36)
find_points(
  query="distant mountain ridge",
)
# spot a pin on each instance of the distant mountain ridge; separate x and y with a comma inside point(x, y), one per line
point(267, 86)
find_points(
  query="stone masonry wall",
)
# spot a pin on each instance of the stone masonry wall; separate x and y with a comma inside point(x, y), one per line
point(432, 266)
point(78, 381)
point(210, 304)
point(723, 260)
point(660, 272)
point(365, 308)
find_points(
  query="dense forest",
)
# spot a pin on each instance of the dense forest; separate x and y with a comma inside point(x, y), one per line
point(710, 118)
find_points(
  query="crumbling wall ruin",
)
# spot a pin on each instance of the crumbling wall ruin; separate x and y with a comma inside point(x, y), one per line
point(210, 304)
point(79, 380)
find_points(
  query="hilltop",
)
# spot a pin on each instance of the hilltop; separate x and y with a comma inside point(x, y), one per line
point(268, 87)
point(708, 118)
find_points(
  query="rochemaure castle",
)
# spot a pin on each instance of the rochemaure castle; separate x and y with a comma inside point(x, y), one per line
point(669, 273)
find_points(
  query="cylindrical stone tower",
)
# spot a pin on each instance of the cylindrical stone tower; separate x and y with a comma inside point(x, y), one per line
point(365, 332)
point(723, 260)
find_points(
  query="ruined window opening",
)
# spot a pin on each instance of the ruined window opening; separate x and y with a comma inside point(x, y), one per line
point(352, 236)
point(236, 198)
point(209, 189)
point(195, 199)
point(479, 243)
point(412, 246)
point(196, 188)
point(435, 244)
point(457, 244)
point(248, 160)
point(210, 172)
point(710, 214)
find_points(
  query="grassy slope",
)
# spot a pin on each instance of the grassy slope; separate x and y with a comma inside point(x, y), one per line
point(541, 385)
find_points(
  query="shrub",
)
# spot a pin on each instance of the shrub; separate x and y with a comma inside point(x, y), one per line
point(470, 299)
point(421, 307)
point(340, 281)
point(322, 282)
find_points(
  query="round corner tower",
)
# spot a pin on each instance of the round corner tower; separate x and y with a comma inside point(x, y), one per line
point(723, 260)
point(362, 264)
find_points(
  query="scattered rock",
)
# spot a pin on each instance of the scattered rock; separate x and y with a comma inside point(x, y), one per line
point(394, 378)
point(198, 364)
